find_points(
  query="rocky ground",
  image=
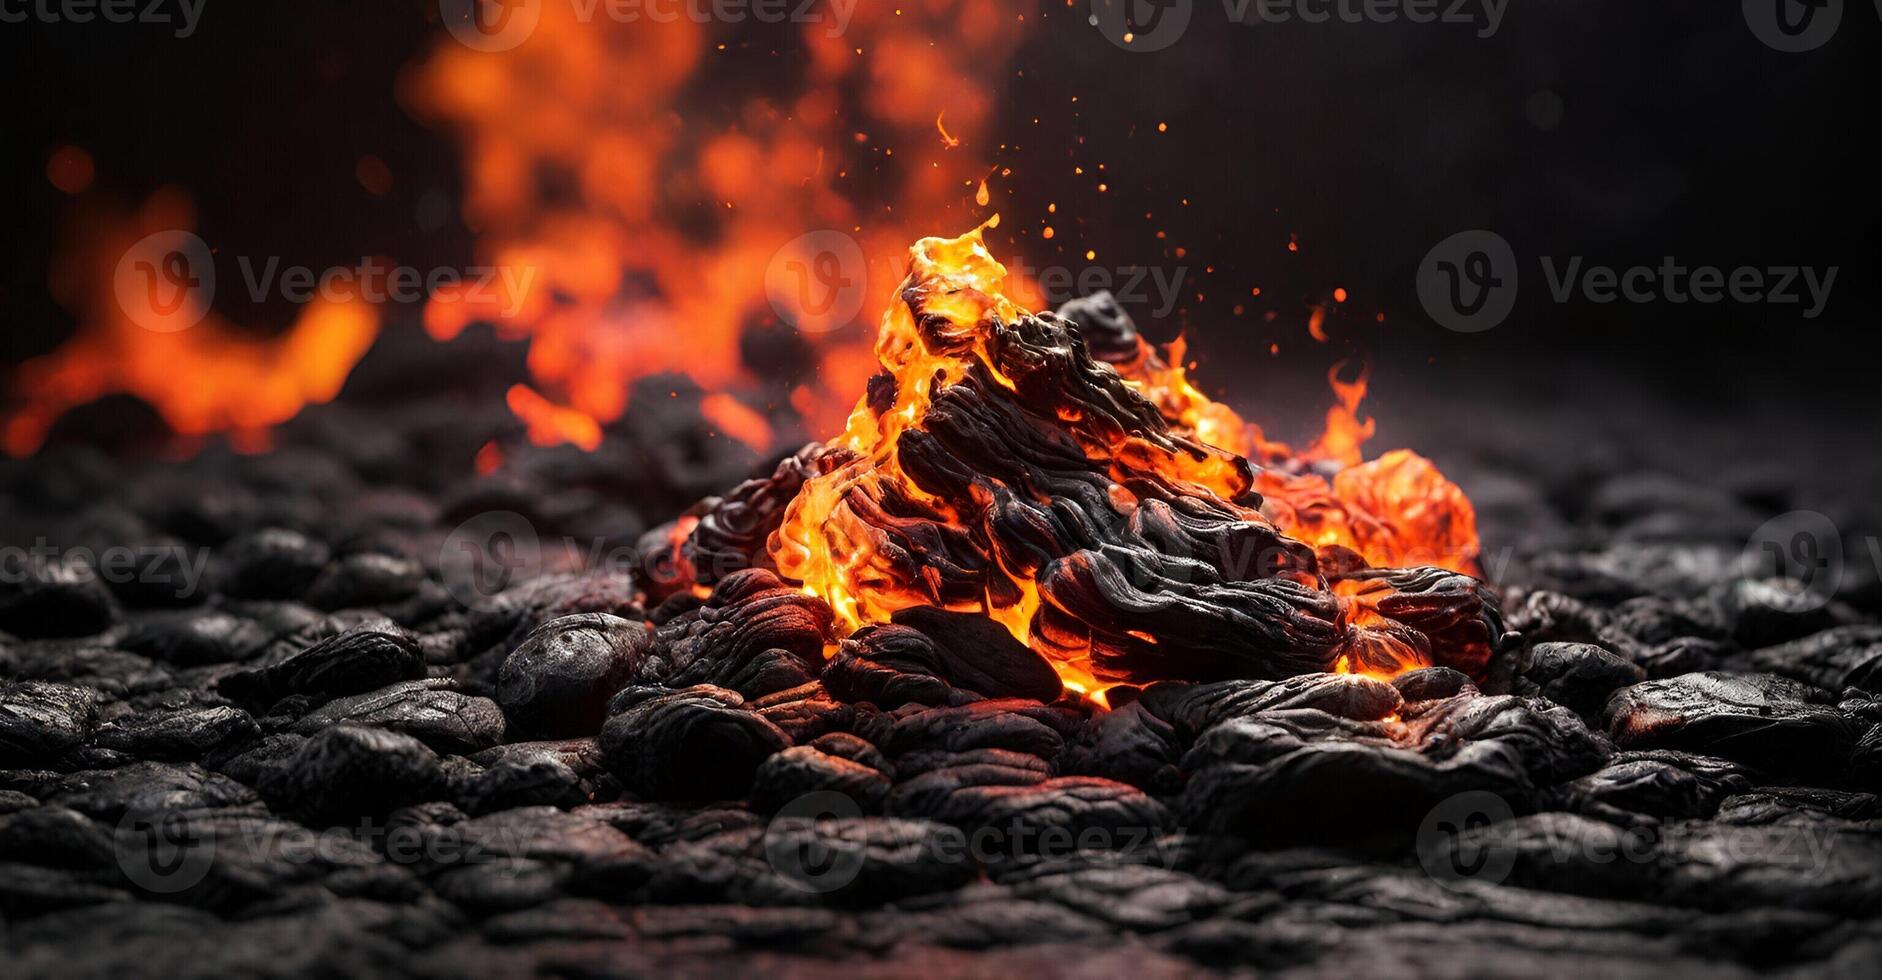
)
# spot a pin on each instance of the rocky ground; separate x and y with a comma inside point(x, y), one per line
point(256, 718)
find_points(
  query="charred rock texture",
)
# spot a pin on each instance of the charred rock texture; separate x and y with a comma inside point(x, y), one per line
point(347, 772)
point(39, 722)
point(933, 657)
point(700, 743)
point(361, 659)
point(443, 719)
point(1756, 719)
point(559, 681)
point(732, 533)
point(755, 635)
point(1070, 497)
point(325, 761)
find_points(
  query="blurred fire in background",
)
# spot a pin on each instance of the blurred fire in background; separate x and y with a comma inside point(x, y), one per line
point(657, 176)
point(649, 201)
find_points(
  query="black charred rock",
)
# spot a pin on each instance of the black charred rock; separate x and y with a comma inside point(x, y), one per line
point(1108, 599)
point(977, 654)
point(1194, 708)
point(890, 666)
point(1758, 719)
point(1012, 724)
point(1687, 655)
point(512, 784)
point(255, 765)
point(443, 719)
point(1126, 893)
point(559, 681)
point(194, 638)
point(1577, 675)
point(579, 755)
point(365, 658)
point(1052, 816)
point(1764, 612)
point(365, 580)
point(40, 722)
point(28, 890)
point(808, 712)
point(1845, 657)
point(847, 861)
point(53, 836)
point(730, 537)
point(348, 772)
point(1305, 775)
point(844, 745)
point(511, 616)
point(272, 563)
point(700, 743)
point(1430, 684)
point(107, 795)
point(1134, 746)
point(1646, 787)
point(1458, 614)
point(81, 663)
point(803, 769)
point(56, 598)
point(177, 734)
point(929, 780)
point(756, 635)
point(1107, 329)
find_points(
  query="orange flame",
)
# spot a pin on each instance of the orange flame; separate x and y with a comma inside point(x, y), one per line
point(1394, 511)
point(627, 164)
point(203, 378)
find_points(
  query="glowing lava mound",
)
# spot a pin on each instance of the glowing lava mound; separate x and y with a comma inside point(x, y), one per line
point(1055, 474)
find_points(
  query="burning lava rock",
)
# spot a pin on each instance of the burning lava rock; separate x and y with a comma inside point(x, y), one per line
point(559, 681)
point(1034, 657)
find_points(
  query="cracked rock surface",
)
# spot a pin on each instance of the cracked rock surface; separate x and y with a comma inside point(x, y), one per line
point(346, 754)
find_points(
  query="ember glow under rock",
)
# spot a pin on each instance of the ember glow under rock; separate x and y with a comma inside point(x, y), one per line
point(1100, 510)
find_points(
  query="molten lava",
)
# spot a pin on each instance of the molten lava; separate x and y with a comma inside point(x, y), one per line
point(1060, 476)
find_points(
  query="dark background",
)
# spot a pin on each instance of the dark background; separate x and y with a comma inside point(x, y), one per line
point(1678, 134)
